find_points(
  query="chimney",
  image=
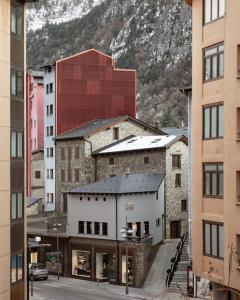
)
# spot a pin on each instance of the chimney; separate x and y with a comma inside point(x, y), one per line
point(127, 171)
point(156, 124)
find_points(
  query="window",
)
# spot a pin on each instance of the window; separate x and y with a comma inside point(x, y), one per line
point(17, 83)
point(50, 197)
point(214, 62)
point(238, 248)
point(176, 161)
point(69, 153)
point(50, 152)
point(89, 227)
point(50, 109)
point(62, 175)
point(38, 174)
point(213, 9)
point(104, 228)
point(17, 206)
point(178, 180)
point(65, 204)
point(47, 89)
point(213, 180)
point(17, 21)
point(213, 122)
point(51, 88)
point(96, 227)
point(62, 154)
point(146, 160)
point(116, 133)
point(50, 173)
point(146, 227)
point(17, 144)
point(213, 239)
point(111, 160)
point(69, 175)
point(184, 205)
point(158, 222)
point(50, 131)
point(77, 172)
point(77, 153)
point(17, 267)
point(81, 227)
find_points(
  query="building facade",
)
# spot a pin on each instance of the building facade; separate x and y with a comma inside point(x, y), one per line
point(215, 145)
point(12, 65)
point(79, 89)
point(96, 216)
point(37, 188)
point(75, 165)
point(35, 119)
point(168, 154)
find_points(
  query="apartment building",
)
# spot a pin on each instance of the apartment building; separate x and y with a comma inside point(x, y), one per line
point(12, 62)
point(79, 89)
point(215, 145)
point(35, 119)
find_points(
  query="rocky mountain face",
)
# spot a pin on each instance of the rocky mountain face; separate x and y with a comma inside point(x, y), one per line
point(153, 37)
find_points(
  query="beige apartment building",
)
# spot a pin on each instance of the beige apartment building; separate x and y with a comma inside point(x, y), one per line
point(12, 72)
point(216, 145)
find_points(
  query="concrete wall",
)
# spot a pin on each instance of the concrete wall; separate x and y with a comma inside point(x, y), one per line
point(5, 150)
point(49, 162)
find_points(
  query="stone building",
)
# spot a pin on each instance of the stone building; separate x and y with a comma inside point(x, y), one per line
point(168, 154)
point(37, 186)
point(75, 165)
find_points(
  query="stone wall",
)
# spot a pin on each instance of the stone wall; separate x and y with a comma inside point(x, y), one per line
point(174, 195)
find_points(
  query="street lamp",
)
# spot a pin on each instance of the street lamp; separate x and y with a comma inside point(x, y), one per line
point(126, 232)
point(56, 228)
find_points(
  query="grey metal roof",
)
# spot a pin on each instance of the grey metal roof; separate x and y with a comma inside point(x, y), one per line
point(176, 131)
point(124, 184)
point(95, 125)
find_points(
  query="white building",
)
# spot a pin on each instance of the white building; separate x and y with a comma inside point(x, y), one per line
point(49, 134)
point(98, 212)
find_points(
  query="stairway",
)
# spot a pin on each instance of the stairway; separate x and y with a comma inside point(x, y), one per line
point(179, 280)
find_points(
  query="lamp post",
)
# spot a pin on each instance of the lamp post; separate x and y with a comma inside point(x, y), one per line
point(125, 232)
point(56, 228)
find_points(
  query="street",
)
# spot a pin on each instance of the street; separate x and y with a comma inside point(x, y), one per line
point(70, 289)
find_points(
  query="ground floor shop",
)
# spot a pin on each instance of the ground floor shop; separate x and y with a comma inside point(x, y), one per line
point(96, 260)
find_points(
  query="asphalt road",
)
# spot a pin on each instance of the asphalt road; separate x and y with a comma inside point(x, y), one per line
point(62, 290)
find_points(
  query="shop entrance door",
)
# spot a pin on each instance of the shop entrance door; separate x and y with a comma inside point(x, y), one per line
point(175, 229)
point(105, 266)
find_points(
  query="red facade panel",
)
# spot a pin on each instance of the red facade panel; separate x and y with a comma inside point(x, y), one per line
point(89, 87)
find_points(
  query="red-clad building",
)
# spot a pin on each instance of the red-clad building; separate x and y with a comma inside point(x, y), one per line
point(88, 87)
point(35, 119)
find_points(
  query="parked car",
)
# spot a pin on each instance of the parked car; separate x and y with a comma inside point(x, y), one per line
point(38, 271)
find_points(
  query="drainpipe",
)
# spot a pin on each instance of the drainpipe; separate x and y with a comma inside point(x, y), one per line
point(117, 254)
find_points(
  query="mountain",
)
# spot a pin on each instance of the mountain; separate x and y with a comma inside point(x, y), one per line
point(153, 37)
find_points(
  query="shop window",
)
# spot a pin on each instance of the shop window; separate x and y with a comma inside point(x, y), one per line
point(213, 239)
point(116, 133)
point(130, 269)
point(81, 227)
point(105, 266)
point(176, 161)
point(146, 227)
point(81, 263)
point(177, 180)
point(89, 227)
point(96, 228)
point(184, 205)
point(213, 180)
point(213, 62)
point(104, 228)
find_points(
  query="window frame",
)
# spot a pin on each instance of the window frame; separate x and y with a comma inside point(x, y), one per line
point(116, 133)
point(184, 205)
point(18, 94)
point(16, 256)
point(178, 180)
point(16, 148)
point(218, 12)
point(17, 11)
point(211, 223)
point(210, 107)
point(176, 161)
point(217, 172)
point(211, 56)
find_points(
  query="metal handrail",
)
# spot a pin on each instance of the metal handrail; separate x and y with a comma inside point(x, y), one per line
point(176, 260)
